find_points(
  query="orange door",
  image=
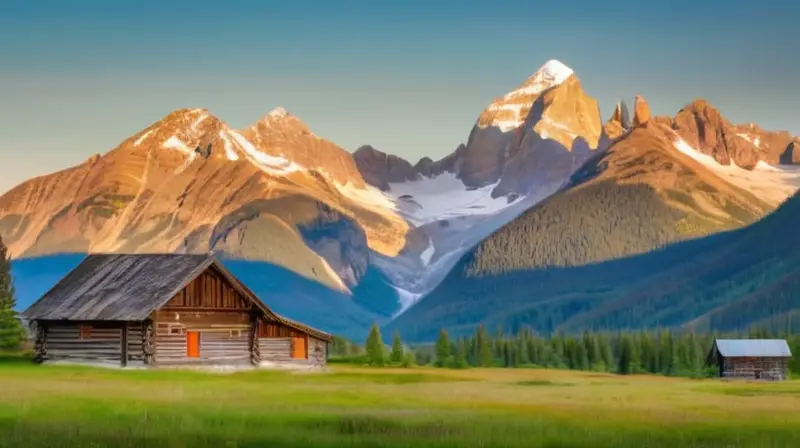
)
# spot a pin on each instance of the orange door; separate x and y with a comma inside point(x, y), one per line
point(192, 344)
point(299, 351)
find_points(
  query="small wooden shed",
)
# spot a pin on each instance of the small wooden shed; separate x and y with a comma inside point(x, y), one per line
point(756, 359)
point(165, 310)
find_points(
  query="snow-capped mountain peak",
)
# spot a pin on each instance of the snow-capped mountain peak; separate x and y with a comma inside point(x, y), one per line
point(551, 74)
point(510, 111)
point(278, 112)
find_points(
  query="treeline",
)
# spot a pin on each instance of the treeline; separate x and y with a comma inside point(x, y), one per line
point(662, 352)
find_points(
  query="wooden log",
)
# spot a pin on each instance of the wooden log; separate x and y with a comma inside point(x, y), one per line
point(40, 346)
point(255, 350)
point(124, 345)
point(147, 342)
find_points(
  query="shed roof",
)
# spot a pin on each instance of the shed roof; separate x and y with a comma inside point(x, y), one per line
point(128, 287)
point(774, 348)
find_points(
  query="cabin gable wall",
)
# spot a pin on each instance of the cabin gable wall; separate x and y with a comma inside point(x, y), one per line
point(207, 322)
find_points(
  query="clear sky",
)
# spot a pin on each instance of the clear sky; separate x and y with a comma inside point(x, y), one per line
point(410, 78)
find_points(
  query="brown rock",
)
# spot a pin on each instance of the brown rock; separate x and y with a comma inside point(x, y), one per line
point(619, 123)
point(379, 169)
point(791, 155)
point(641, 111)
point(282, 134)
point(706, 130)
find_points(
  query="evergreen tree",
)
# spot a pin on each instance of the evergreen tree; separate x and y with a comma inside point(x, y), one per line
point(397, 349)
point(460, 361)
point(595, 354)
point(625, 356)
point(11, 331)
point(606, 352)
point(483, 347)
point(443, 349)
point(375, 349)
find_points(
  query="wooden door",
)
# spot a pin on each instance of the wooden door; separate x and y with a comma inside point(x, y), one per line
point(192, 344)
point(299, 348)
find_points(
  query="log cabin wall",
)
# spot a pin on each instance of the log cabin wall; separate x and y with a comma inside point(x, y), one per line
point(766, 368)
point(99, 342)
point(207, 322)
point(282, 344)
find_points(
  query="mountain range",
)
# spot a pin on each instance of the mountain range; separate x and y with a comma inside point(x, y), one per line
point(542, 190)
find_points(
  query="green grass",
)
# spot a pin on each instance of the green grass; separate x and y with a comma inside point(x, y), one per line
point(60, 406)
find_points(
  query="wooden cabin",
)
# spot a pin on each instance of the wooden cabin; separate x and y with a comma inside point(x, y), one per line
point(159, 310)
point(754, 359)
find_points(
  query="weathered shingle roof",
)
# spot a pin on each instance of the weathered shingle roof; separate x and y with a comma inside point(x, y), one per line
point(118, 286)
point(775, 348)
point(128, 287)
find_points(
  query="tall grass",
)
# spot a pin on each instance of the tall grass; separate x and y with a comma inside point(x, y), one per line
point(69, 407)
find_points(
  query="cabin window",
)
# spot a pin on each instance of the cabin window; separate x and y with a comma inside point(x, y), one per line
point(175, 330)
point(84, 332)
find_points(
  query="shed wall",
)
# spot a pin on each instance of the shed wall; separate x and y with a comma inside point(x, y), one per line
point(765, 368)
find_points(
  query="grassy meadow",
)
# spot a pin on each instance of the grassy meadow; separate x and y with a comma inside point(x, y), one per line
point(66, 406)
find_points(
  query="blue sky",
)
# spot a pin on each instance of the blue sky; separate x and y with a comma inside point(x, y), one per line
point(410, 78)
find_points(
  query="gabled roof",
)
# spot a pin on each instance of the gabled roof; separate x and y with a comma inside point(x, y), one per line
point(773, 348)
point(129, 287)
point(120, 287)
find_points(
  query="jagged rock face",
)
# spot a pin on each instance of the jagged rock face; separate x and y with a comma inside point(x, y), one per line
point(705, 129)
point(641, 111)
point(769, 145)
point(619, 123)
point(190, 183)
point(380, 169)
point(622, 115)
point(791, 155)
point(541, 122)
point(282, 134)
point(448, 164)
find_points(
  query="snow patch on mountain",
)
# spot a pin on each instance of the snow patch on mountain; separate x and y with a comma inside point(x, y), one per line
point(427, 254)
point(278, 112)
point(445, 197)
point(176, 143)
point(230, 152)
point(769, 182)
point(756, 141)
point(406, 299)
point(197, 121)
point(369, 196)
point(270, 164)
point(142, 137)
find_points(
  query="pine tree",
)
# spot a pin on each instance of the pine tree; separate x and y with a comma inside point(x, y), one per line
point(397, 348)
point(625, 357)
point(443, 349)
point(375, 349)
point(11, 331)
point(484, 347)
point(460, 361)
